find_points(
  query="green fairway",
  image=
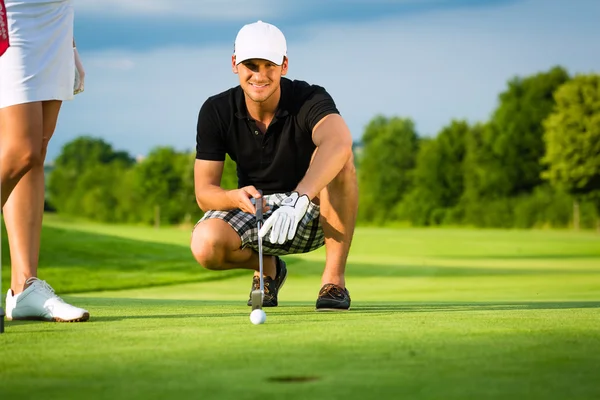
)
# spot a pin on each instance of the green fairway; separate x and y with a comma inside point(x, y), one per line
point(436, 314)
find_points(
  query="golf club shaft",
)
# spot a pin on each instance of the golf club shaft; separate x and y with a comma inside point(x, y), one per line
point(260, 263)
point(259, 220)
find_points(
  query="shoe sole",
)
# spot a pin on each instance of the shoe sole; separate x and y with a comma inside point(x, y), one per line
point(85, 317)
point(332, 309)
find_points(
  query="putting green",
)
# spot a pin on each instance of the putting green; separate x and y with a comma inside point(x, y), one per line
point(437, 313)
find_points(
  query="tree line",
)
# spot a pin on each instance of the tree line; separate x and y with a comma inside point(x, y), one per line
point(535, 163)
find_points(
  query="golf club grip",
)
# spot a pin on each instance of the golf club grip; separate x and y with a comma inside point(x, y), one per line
point(259, 207)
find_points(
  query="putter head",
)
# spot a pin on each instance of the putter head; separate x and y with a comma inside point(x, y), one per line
point(257, 299)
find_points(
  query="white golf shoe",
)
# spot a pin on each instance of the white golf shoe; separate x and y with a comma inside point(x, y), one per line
point(39, 302)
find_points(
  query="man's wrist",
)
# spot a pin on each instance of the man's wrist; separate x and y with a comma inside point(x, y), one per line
point(304, 192)
point(231, 202)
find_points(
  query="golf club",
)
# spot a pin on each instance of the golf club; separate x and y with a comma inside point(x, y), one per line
point(258, 295)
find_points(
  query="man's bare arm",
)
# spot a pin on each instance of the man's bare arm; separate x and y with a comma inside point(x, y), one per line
point(211, 196)
point(207, 181)
point(334, 148)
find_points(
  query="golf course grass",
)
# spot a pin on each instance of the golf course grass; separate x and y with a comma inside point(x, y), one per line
point(436, 314)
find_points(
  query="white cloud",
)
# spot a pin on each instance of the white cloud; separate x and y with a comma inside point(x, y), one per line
point(197, 9)
point(430, 68)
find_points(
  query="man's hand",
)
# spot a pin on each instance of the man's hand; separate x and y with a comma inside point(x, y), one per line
point(241, 199)
point(284, 221)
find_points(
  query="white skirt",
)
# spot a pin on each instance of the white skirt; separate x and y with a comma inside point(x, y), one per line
point(39, 64)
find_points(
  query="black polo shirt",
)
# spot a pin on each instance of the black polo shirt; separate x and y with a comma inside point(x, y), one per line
point(276, 161)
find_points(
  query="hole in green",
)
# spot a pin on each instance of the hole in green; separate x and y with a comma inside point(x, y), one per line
point(293, 379)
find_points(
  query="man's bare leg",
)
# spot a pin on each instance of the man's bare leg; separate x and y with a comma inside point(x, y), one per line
point(216, 246)
point(339, 207)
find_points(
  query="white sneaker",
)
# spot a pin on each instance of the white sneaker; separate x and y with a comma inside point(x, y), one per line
point(39, 302)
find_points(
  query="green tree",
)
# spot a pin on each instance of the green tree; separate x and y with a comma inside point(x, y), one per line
point(159, 184)
point(477, 152)
point(572, 137)
point(438, 178)
point(452, 149)
point(388, 160)
point(130, 204)
point(478, 178)
point(421, 202)
point(71, 178)
point(515, 134)
point(98, 192)
point(85, 151)
point(190, 209)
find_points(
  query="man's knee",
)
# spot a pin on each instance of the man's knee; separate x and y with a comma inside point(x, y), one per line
point(208, 246)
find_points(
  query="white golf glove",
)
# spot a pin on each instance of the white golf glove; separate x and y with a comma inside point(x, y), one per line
point(284, 221)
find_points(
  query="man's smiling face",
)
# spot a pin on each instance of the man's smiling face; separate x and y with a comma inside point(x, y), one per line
point(260, 78)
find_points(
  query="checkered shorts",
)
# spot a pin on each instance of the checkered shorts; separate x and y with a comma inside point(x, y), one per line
point(309, 235)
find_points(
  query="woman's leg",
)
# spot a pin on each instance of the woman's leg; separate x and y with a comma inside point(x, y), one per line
point(30, 298)
point(24, 208)
point(21, 131)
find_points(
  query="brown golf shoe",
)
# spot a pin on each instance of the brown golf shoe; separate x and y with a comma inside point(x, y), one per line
point(272, 286)
point(333, 298)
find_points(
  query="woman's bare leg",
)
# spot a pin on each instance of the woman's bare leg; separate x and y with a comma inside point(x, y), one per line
point(33, 124)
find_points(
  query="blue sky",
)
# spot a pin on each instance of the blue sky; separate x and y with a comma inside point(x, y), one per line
point(150, 64)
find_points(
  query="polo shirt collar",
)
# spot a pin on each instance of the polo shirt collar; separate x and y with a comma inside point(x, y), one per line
point(282, 109)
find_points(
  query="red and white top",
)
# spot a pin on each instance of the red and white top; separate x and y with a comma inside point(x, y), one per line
point(4, 43)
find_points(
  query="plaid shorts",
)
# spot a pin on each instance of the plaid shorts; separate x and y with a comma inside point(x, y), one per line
point(309, 235)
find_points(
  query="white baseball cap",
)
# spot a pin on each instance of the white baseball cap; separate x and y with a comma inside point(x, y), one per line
point(260, 40)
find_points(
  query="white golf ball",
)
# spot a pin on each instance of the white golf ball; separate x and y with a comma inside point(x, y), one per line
point(258, 317)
